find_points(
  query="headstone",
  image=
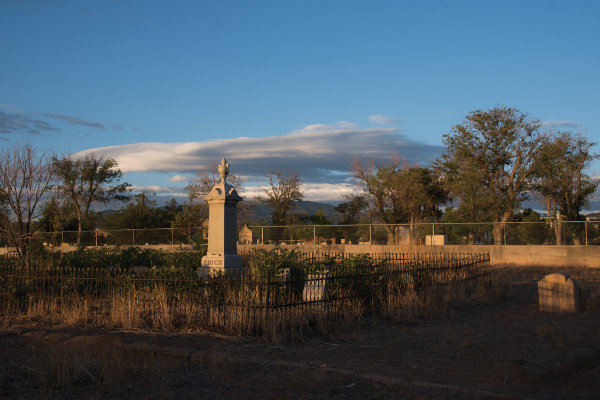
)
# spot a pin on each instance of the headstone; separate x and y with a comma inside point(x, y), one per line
point(245, 235)
point(436, 240)
point(559, 292)
point(315, 288)
point(401, 236)
point(222, 202)
point(284, 275)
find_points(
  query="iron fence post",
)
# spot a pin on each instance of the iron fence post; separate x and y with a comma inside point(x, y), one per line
point(314, 234)
point(370, 234)
point(172, 230)
point(133, 236)
point(586, 237)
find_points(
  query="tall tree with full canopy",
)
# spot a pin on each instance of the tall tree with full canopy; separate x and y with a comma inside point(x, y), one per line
point(489, 163)
point(560, 176)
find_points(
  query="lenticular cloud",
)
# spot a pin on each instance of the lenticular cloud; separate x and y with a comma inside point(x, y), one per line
point(320, 153)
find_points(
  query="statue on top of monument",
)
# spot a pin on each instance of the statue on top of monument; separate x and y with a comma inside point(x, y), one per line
point(223, 170)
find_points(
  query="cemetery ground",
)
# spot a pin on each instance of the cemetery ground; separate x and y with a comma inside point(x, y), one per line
point(500, 347)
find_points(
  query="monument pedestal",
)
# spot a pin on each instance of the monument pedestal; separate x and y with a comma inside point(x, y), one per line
point(221, 255)
point(215, 263)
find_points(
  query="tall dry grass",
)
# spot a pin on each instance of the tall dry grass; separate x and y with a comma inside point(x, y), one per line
point(272, 309)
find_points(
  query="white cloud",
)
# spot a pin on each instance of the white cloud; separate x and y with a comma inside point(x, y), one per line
point(382, 119)
point(150, 188)
point(562, 124)
point(312, 191)
point(179, 178)
point(319, 153)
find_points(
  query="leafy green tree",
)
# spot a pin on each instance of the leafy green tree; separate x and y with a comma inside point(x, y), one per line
point(57, 217)
point(353, 208)
point(531, 230)
point(88, 180)
point(489, 163)
point(560, 177)
point(401, 194)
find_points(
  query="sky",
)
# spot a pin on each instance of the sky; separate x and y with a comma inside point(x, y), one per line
point(168, 88)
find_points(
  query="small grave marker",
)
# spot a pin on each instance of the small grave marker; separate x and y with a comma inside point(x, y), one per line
point(559, 292)
point(315, 288)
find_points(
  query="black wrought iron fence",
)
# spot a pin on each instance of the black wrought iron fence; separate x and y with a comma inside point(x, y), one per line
point(283, 303)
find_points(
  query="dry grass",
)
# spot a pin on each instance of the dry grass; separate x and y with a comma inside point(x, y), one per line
point(242, 310)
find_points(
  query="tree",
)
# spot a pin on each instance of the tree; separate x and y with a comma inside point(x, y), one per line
point(352, 208)
point(559, 173)
point(489, 163)
point(193, 214)
point(25, 176)
point(88, 180)
point(560, 178)
point(280, 194)
point(399, 194)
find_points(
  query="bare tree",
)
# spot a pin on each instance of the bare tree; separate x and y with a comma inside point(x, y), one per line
point(25, 175)
point(88, 180)
point(280, 194)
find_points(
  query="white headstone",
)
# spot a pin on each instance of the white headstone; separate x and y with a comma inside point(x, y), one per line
point(315, 288)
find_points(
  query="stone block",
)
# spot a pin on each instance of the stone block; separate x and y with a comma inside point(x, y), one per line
point(559, 293)
point(315, 288)
point(436, 240)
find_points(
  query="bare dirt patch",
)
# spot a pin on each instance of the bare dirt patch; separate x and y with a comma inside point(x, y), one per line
point(503, 348)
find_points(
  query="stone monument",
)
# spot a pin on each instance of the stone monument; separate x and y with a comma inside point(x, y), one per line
point(222, 227)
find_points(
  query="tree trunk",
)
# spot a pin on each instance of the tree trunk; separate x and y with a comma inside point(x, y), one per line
point(79, 228)
point(499, 228)
point(558, 231)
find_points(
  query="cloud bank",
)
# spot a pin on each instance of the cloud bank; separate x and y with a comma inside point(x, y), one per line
point(319, 153)
point(13, 121)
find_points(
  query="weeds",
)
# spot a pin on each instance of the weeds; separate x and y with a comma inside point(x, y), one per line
point(271, 300)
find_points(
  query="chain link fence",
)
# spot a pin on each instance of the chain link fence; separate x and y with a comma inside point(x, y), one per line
point(510, 233)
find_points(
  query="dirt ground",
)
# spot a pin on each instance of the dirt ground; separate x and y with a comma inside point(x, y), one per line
point(504, 348)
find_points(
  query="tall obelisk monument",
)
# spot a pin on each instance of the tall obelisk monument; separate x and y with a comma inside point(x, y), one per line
point(222, 227)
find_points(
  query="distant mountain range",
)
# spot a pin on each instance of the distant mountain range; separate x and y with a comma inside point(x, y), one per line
point(261, 212)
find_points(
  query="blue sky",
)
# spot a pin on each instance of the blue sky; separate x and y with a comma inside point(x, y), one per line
point(168, 88)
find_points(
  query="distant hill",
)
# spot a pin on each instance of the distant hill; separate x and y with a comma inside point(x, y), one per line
point(262, 212)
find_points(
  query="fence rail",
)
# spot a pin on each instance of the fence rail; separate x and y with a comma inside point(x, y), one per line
point(511, 233)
